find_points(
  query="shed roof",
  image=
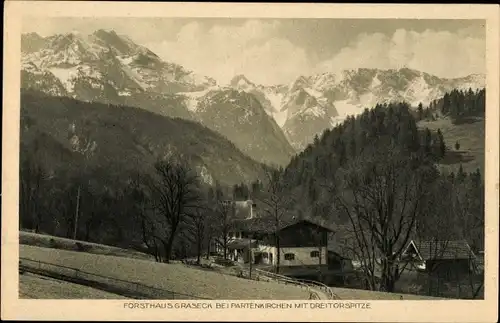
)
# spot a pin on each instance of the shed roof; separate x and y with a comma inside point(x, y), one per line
point(454, 249)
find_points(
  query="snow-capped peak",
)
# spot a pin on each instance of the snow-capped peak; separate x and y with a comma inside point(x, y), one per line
point(122, 44)
point(241, 82)
point(31, 36)
point(307, 100)
point(111, 60)
point(105, 64)
point(324, 81)
point(300, 83)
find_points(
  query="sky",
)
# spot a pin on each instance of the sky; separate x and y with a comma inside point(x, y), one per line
point(277, 51)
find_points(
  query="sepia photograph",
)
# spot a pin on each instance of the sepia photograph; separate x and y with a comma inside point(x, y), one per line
point(203, 158)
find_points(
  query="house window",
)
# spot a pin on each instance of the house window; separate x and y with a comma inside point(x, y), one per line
point(289, 256)
point(315, 254)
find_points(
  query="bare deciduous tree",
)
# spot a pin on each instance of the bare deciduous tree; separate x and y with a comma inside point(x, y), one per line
point(139, 196)
point(276, 199)
point(175, 197)
point(381, 196)
point(200, 230)
point(223, 223)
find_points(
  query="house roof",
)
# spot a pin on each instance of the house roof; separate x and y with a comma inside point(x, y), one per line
point(267, 224)
point(240, 243)
point(454, 249)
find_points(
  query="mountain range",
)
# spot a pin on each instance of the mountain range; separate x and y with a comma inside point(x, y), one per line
point(110, 68)
point(268, 123)
point(311, 104)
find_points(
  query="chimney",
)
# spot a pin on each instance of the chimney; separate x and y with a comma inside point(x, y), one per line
point(253, 206)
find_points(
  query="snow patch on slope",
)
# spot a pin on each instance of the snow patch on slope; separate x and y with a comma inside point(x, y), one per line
point(368, 100)
point(198, 79)
point(124, 93)
point(125, 60)
point(276, 99)
point(280, 117)
point(317, 95)
point(31, 67)
point(193, 98)
point(315, 111)
point(205, 175)
point(65, 75)
point(418, 92)
point(344, 109)
point(375, 82)
point(135, 77)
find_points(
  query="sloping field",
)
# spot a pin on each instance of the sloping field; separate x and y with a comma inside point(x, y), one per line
point(470, 136)
point(111, 261)
point(359, 294)
point(40, 287)
point(48, 241)
point(177, 278)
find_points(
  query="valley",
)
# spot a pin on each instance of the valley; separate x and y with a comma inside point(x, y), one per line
point(121, 147)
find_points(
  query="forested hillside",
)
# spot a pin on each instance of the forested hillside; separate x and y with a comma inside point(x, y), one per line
point(379, 132)
point(81, 158)
point(121, 139)
point(459, 105)
point(392, 136)
point(376, 178)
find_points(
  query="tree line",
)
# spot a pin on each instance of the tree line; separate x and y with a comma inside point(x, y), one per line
point(169, 213)
point(460, 105)
point(376, 176)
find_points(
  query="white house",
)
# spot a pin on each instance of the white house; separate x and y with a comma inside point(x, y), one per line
point(302, 242)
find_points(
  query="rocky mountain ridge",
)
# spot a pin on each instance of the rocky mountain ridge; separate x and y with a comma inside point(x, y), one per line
point(311, 104)
point(111, 68)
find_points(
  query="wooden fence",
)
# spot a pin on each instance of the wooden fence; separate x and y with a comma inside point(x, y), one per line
point(114, 285)
point(309, 285)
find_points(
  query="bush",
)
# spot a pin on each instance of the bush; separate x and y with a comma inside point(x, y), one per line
point(82, 247)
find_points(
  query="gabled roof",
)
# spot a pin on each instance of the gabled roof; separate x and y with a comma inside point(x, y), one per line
point(428, 250)
point(240, 243)
point(267, 224)
point(319, 224)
